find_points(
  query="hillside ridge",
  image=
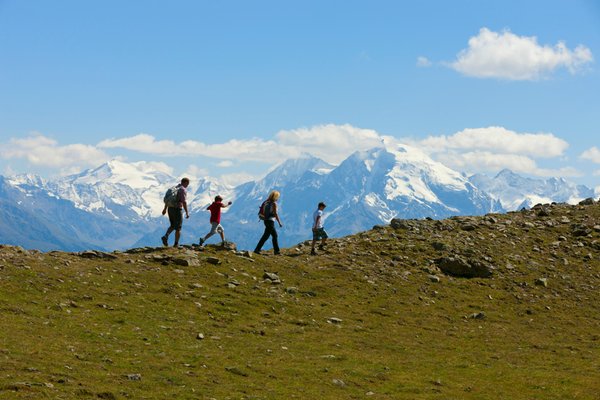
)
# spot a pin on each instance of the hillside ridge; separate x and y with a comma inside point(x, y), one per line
point(497, 306)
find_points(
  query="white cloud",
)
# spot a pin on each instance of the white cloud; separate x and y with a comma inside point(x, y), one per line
point(423, 62)
point(238, 178)
point(331, 142)
point(43, 151)
point(498, 140)
point(225, 164)
point(195, 172)
point(484, 161)
point(508, 56)
point(591, 154)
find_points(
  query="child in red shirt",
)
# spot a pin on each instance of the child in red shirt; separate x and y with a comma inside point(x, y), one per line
point(215, 220)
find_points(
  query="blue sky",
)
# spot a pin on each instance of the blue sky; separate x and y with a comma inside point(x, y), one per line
point(230, 88)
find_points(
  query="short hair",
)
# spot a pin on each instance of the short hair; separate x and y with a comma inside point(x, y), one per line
point(274, 195)
point(185, 180)
point(321, 204)
point(218, 198)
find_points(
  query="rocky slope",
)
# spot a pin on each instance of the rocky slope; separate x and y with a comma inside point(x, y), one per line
point(498, 306)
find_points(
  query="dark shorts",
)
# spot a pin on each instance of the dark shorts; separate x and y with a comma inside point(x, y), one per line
point(175, 218)
point(319, 234)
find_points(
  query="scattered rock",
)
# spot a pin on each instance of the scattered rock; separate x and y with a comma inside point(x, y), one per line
point(434, 278)
point(338, 382)
point(97, 254)
point(587, 202)
point(399, 224)
point(542, 282)
point(213, 260)
point(200, 336)
point(273, 277)
point(134, 377)
point(439, 246)
point(236, 371)
point(334, 320)
point(186, 261)
point(468, 227)
point(461, 267)
point(479, 315)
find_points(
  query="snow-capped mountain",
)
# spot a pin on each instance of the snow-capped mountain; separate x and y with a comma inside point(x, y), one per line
point(118, 205)
point(368, 188)
point(516, 192)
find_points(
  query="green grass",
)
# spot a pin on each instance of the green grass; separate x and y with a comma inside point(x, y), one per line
point(75, 328)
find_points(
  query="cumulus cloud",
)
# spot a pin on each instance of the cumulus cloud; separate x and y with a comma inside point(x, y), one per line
point(42, 151)
point(591, 154)
point(331, 142)
point(225, 164)
point(494, 148)
point(485, 161)
point(508, 56)
point(423, 62)
point(235, 179)
point(499, 139)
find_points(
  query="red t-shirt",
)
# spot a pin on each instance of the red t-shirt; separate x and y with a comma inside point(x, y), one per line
point(215, 211)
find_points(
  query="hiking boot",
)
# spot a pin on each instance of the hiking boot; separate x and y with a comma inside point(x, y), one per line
point(165, 242)
point(313, 252)
point(322, 247)
point(201, 242)
point(256, 251)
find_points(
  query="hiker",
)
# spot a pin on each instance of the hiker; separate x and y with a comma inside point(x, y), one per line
point(215, 220)
point(318, 230)
point(268, 213)
point(175, 203)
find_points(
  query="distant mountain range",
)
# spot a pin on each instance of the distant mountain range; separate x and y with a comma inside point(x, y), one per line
point(118, 204)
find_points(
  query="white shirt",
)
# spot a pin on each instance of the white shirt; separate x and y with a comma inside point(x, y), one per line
point(317, 214)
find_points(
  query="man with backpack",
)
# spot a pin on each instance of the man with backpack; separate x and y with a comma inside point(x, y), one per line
point(268, 214)
point(175, 204)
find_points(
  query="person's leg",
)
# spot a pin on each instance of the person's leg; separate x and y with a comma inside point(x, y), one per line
point(213, 230)
point(274, 238)
point(264, 237)
point(176, 218)
point(221, 233)
point(324, 237)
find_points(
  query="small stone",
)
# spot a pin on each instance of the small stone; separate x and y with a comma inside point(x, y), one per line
point(200, 336)
point(542, 282)
point(434, 278)
point(134, 377)
point(273, 277)
point(334, 320)
point(338, 382)
point(213, 260)
point(479, 315)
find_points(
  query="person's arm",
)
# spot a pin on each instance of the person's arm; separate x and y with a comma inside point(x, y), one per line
point(274, 206)
point(164, 211)
point(182, 201)
point(226, 205)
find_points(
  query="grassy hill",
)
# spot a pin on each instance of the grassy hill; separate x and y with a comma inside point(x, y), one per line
point(372, 317)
